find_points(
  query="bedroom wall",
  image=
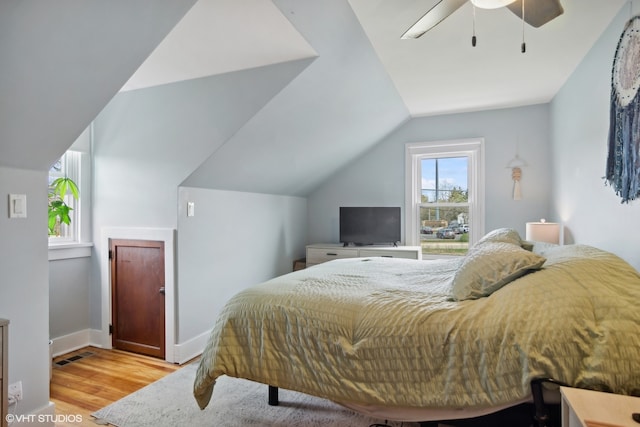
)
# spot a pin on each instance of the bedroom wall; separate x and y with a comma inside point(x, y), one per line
point(70, 278)
point(377, 177)
point(233, 241)
point(147, 141)
point(24, 290)
point(591, 212)
point(61, 65)
point(69, 287)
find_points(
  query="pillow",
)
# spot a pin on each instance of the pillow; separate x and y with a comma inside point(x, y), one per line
point(527, 245)
point(506, 235)
point(488, 267)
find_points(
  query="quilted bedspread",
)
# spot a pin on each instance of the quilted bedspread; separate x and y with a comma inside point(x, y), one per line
point(385, 331)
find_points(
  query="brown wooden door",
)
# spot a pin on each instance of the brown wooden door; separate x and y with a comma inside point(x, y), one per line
point(137, 289)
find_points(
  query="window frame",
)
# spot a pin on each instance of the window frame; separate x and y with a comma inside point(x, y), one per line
point(473, 149)
point(71, 161)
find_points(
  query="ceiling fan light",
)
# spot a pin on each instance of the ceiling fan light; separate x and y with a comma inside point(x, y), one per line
point(491, 4)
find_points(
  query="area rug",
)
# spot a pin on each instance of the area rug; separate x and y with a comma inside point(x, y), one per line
point(235, 403)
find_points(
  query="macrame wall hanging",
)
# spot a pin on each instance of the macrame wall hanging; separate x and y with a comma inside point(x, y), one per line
point(623, 160)
point(516, 164)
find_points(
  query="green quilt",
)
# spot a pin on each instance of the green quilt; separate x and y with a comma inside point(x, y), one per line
point(386, 332)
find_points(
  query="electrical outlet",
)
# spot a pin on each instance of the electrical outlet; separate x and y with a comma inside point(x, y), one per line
point(15, 390)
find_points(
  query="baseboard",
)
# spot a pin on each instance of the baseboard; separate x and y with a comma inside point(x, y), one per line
point(182, 353)
point(44, 417)
point(74, 341)
point(186, 351)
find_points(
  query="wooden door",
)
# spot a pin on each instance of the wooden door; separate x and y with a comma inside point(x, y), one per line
point(137, 289)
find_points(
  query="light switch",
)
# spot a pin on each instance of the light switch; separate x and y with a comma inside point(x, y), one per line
point(17, 205)
point(191, 207)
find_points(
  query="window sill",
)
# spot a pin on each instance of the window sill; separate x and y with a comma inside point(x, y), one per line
point(58, 251)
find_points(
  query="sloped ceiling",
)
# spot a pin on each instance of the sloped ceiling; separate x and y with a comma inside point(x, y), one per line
point(436, 74)
point(338, 107)
point(62, 61)
point(151, 139)
point(221, 36)
point(366, 81)
point(441, 72)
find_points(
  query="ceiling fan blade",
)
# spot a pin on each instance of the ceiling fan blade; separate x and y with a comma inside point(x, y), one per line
point(537, 12)
point(433, 17)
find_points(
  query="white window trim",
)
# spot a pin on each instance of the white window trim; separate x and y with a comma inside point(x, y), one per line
point(69, 250)
point(80, 172)
point(72, 170)
point(473, 148)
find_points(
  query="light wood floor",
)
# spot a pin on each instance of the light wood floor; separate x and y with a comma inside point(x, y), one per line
point(94, 381)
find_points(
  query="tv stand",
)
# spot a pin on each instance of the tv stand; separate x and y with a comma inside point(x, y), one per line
point(359, 245)
point(323, 252)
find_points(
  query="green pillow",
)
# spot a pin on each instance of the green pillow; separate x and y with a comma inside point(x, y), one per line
point(488, 267)
point(527, 245)
point(506, 235)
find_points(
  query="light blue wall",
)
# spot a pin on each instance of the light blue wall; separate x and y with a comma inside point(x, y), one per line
point(24, 289)
point(591, 212)
point(62, 62)
point(147, 141)
point(70, 279)
point(378, 177)
point(235, 240)
point(69, 285)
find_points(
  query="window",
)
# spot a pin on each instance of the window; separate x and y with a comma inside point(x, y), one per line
point(444, 196)
point(68, 166)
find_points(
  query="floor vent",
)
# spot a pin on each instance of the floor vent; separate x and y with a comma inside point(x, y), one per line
point(74, 358)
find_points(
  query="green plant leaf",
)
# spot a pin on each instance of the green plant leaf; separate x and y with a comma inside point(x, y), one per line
point(52, 223)
point(58, 209)
point(74, 189)
point(62, 185)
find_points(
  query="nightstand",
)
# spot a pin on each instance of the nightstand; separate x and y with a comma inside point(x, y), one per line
point(587, 408)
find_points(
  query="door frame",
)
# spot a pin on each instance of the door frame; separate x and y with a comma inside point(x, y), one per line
point(166, 235)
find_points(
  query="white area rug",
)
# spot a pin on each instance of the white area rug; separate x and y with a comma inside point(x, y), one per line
point(235, 403)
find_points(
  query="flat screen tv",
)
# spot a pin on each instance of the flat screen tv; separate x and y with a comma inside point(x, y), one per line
point(369, 225)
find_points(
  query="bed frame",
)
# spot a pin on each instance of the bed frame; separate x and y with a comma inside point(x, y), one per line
point(541, 417)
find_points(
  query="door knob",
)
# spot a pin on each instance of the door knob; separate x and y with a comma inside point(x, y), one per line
point(161, 290)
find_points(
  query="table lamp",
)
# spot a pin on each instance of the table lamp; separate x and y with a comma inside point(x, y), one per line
point(543, 231)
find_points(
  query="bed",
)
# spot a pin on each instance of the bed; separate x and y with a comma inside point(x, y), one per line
point(435, 340)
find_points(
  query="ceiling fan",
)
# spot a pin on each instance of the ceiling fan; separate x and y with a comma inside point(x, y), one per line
point(534, 12)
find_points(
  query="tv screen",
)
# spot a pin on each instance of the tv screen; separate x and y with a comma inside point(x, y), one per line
point(369, 225)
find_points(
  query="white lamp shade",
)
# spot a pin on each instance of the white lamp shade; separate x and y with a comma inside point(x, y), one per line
point(491, 4)
point(548, 232)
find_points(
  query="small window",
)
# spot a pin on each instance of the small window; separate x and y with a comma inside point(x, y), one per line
point(67, 166)
point(445, 195)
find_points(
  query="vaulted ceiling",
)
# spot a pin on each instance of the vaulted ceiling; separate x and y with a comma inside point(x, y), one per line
point(441, 72)
point(62, 64)
point(63, 61)
point(438, 73)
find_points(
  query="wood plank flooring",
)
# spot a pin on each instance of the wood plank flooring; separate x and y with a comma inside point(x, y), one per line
point(89, 383)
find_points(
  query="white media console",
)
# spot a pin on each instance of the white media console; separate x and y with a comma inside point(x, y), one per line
point(323, 252)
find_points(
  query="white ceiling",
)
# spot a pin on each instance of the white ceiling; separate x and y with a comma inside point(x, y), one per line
point(438, 73)
point(441, 72)
point(221, 36)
